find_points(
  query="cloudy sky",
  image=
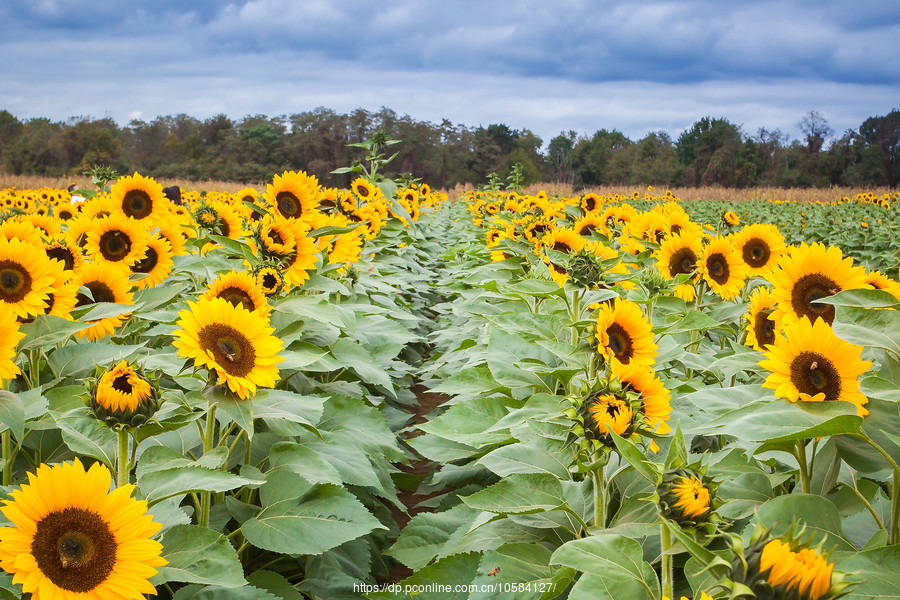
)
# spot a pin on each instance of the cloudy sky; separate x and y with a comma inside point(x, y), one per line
point(637, 66)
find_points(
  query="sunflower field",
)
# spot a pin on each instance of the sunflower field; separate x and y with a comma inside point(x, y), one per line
point(375, 392)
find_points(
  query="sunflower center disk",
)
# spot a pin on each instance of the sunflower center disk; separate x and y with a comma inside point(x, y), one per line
point(237, 297)
point(718, 268)
point(813, 373)
point(764, 328)
point(63, 255)
point(808, 288)
point(756, 253)
point(115, 245)
point(137, 204)
point(99, 290)
point(148, 263)
point(682, 262)
point(15, 281)
point(74, 549)
point(122, 384)
point(288, 204)
point(233, 352)
point(620, 343)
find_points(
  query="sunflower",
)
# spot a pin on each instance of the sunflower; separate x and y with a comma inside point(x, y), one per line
point(880, 281)
point(722, 268)
point(116, 240)
point(63, 297)
point(26, 278)
point(588, 224)
point(364, 188)
point(275, 236)
point(292, 194)
point(605, 412)
point(175, 235)
point(9, 337)
point(811, 272)
point(805, 570)
point(591, 202)
point(26, 232)
point(140, 198)
point(810, 363)
point(535, 230)
point(761, 327)
point(655, 398)
point(73, 538)
point(232, 341)
point(564, 240)
point(106, 284)
point(240, 288)
point(731, 218)
point(63, 250)
point(122, 390)
point(760, 246)
point(678, 254)
point(685, 496)
point(303, 260)
point(269, 280)
point(156, 264)
point(624, 333)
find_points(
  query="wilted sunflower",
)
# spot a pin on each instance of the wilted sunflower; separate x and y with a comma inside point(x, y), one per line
point(812, 272)
point(116, 240)
point(240, 288)
point(106, 284)
point(760, 246)
point(809, 362)
point(761, 327)
point(722, 268)
point(156, 264)
point(26, 277)
point(232, 341)
point(140, 198)
point(292, 194)
point(73, 538)
point(625, 334)
point(9, 337)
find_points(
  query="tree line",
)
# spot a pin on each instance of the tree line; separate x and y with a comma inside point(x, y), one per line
point(713, 151)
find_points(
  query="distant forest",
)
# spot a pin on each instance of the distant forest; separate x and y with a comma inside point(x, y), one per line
point(713, 151)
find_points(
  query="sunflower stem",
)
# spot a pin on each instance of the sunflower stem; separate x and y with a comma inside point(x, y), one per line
point(895, 508)
point(667, 567)
point(208, 435)
point(7, 457)
point(599, 496)
point(123, 469)
point(800, 447)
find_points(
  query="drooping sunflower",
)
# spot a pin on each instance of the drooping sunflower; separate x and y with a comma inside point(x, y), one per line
point(116, 240)
point(809, 362)
point(9, 337)
point(73, 538)
point(625, 334)
point(292, 194)
point(235, 343)
point(240, 288)
point(106, 284)
point(140, 198)
point(156, 264)
point(721, 267)
point(760, 246)
point(761, 327)
point(811, 272)
point(26, 277)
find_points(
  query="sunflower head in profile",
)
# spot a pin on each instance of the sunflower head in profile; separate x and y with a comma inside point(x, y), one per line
point(240, 288)
point(761, 326)
point(730, 218)
point(73, 538)
point(230, 341)
point(721, 267)
point(785, 567)
point(655, 400)
point(760, 246)
point(809, 362)
point(140, 198)
point(807, 273)
point(624, 334)
point(293, 195)
point(123, 396)
point(686, 496)
point(9, 337)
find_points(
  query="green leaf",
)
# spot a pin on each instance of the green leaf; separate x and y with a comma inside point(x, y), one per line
point(819, 514)
point(234, 246)
point(877, 569)
point(199, 555)
point(325, 516)
point(354, 356)
point(693, 320)
point(46, 331)
point(12, 414)
point(274, 583)
point(80, 359)
point(529, 457)
point(861, 298)
point(743, 494)
point(610, 556)
point(467, 422)
point(158, 485)
point(455, 572)
point(505, 354)
point(520, 493)
point(637, 458)
point(868, 327)
point(87, 436)
point(518, 564)
point(231, 408)
point(303, 461)
point(247, 592)
point(103, 310)
point(426, 534)
point(288, 406)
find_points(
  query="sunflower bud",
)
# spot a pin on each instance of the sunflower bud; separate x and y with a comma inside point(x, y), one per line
point(602, 407)
point(585, 270)
point(124, 397)
point(686, 496)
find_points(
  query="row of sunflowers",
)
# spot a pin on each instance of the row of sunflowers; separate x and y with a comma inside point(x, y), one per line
point(650, 399)
point(199, 395)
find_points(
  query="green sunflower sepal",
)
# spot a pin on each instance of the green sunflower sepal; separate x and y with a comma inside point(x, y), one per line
point(123, 396)
point(783, 567)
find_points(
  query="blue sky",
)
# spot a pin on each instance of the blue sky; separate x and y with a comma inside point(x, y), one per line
point(636, 66)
